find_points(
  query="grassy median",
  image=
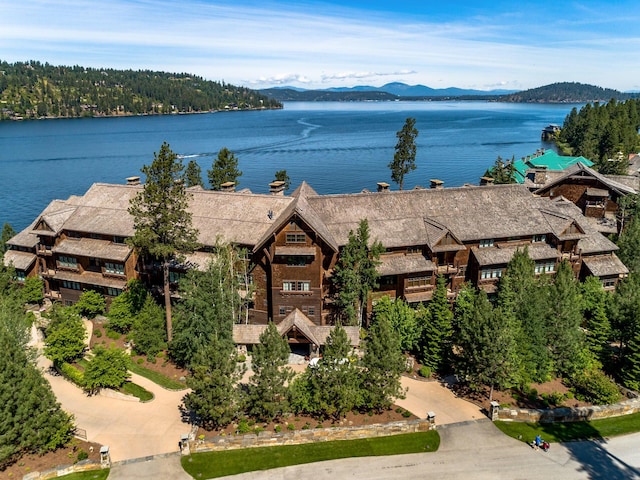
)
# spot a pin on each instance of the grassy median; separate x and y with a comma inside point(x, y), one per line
point(231, 462)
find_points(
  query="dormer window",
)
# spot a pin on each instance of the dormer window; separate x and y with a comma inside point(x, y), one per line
point(539, 238)
point(486, 243)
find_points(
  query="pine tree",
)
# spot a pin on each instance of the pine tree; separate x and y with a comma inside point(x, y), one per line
point(224, 169)
point(596, 323)
point(267, 392)
point(214, 397)
point(7, 234)
point(209, 307)
point(30, 418)
point(383, 364)
point(525, 299)
point(355, 274)
point(630, 373)
point(193, 175)
point(281, 176)
point(161, 219)
point(404, 158)
point(438, 330)
point(565, 337)
point(334, 384)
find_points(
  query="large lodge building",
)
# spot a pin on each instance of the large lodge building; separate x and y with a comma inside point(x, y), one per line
point(465, 234)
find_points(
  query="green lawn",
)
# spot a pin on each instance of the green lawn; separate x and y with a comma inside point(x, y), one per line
point(156, 377)
point(137, 391)
point(565, 432)
point(92, 475)
point(232, 462)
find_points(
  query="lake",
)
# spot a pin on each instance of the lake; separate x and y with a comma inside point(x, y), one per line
point(335, 147)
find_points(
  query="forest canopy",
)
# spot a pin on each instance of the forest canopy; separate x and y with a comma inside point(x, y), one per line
point(34, 90)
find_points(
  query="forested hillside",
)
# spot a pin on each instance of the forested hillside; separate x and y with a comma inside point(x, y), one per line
point(603, 133)
point(36, 90)
point(565, 92)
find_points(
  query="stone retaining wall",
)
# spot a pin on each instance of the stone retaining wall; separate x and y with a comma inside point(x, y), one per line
point(566, 414)
point(83, 466)
point(315, 435)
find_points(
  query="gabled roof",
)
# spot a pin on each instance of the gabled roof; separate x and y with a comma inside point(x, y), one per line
point(250, 334)
point(581, 170)
point(19, 260)
point(299, 207)
point(549, 160)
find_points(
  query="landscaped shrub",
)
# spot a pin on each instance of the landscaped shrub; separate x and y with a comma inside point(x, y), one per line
point(595, 387)
point(553, 399)
point(243, 427)
point(424, 371)
point(291, 426)
point(72, 374)
point(82, 455)
point(406, 414)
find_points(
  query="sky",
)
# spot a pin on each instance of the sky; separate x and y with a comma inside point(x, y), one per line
point(320, 44)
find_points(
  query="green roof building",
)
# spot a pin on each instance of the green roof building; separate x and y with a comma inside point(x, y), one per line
point(548, 160)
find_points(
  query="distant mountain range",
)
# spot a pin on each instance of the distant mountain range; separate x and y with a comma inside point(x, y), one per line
point(564, 92)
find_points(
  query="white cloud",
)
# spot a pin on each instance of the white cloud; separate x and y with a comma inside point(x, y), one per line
point(253, 44)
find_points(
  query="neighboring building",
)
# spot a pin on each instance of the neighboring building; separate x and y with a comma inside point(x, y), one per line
point(466, 234)
point(544, 165)
point(597, 196)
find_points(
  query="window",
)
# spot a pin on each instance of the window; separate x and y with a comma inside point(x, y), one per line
point(113, 292)
point(608, 282)
point(539, 238)
point(387, 280)
point(283, 311)
point(414, 249)
point(114, 268)
point(118, 240)
point(296, 238)
point(67, 262)
point(296, 286)
point(70, 285)
point(421, 281)
point(174, 277)
point(545, 267)
point(487, 273)
point(296, 261)
point(486, 243)
point(20, 275)
point(311, 311)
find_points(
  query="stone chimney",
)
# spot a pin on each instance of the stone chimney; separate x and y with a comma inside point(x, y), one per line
point(436, 184)
point(484, 181)
point(276, 187)
point(133, 180)
point(383, 187)
point(228, 187)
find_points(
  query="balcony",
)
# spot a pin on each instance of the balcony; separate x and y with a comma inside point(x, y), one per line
point(44, 251)
point(53, 295)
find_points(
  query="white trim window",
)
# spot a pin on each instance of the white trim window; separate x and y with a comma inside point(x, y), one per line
point(487, 242)
point(296, 286)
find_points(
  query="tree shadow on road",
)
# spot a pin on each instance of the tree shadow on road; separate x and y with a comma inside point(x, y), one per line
point(596, 462)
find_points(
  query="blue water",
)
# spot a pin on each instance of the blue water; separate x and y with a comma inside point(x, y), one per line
point(336, 147)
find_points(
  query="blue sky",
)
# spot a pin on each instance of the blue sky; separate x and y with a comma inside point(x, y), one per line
point(321, 44)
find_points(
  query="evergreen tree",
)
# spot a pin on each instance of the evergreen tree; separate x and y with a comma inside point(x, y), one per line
point(630, 372)
point(161, 218)
point(629, 245)
point(487, 346)
point(267, 392)
point(281, 176)
point(209, 307)
point(214, 397)
point(502, 172)
point(355, 274)
point(30, 418)
point(193, 175)
point(596, 323)
point(525, 299)
point(107, 369)
point(404, 158)
point(7, 234)
point(403, 321)
point(565, 337)
point(224, 169)
point(65, 336)
point(383, 364)
point(149, 335)
point(623, 312)
point(438, 329)
point(334, 384)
